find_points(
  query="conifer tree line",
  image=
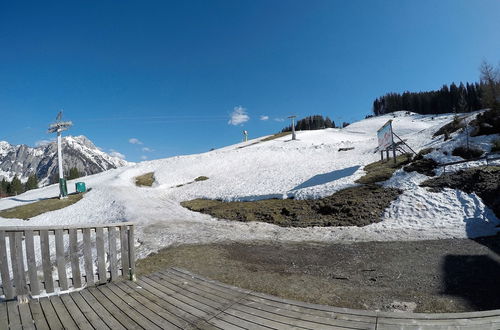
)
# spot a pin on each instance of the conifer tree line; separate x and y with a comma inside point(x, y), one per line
point(16, 187)
point(311, 123)
point(453, 98)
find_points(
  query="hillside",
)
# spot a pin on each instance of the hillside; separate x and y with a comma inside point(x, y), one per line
point(310, 167)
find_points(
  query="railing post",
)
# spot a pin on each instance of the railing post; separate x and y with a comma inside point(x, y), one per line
point(131, 252)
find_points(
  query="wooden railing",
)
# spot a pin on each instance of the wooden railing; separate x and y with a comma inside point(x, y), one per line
point(29, 251)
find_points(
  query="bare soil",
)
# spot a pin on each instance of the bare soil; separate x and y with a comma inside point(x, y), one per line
point(357, 206)
point(453, 275)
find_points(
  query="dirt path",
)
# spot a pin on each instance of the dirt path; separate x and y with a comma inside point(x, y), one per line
point(422, 276)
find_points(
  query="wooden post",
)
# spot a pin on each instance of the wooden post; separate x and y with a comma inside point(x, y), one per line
point(131, 253)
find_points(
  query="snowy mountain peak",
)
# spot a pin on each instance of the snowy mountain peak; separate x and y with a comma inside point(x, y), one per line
point(79, 152)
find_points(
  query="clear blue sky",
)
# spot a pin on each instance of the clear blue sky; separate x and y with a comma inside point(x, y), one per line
point(170, 73)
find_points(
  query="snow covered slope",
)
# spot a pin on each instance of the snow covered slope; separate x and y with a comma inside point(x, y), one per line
point(309, 167)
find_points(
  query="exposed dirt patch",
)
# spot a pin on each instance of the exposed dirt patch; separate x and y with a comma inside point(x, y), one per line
point(467, 153)
point(383, 169)
point(424, 276)
point(424, 166)
point(484, 181)
point(357, 206)
point(487, 123)
point(145, 180)
point(46, 205)
point(451, 127)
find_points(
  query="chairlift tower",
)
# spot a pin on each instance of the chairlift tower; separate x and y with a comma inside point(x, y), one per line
point(58, 127)
point(293, 126)
point(245, 135)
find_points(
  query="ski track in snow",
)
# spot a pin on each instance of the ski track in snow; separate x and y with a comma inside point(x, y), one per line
point(311, 167)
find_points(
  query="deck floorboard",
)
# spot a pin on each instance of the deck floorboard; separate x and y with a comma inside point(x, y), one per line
point(178, 299)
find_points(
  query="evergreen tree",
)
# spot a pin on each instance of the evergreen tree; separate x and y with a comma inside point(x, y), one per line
point(329, 123)
point(311, 123)
point(4, 187)
point(73, 173)
point(16, 186)
point(443, 100)
point(32, 183)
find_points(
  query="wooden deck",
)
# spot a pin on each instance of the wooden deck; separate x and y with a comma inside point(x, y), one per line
point(177, 299)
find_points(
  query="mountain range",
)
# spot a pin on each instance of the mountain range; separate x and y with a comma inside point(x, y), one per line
point(78, 152)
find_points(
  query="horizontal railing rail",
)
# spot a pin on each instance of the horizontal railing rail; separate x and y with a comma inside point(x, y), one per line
point(492, 156)
point(31, 273)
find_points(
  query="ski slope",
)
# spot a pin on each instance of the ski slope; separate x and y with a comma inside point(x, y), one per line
point(310, 167)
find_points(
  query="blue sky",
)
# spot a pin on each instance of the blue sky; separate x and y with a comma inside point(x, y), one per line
point(169, 74)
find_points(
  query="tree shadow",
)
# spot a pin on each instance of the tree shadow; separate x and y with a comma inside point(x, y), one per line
point(327, 177)
point(28, 200)
point(474, 278)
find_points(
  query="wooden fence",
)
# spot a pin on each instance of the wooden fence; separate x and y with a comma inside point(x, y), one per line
point(29, 250)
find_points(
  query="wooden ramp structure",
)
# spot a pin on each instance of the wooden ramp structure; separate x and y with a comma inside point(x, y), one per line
point(177, 299)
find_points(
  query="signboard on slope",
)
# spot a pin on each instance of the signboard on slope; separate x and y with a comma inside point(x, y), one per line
point(384, 135)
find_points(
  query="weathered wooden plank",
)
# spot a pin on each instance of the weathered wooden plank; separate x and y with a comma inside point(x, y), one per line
point(213, 288)
point(4, 318)
point(38, 316)
point(30, 256)
point(124, 251)
point(101, 261)
point(309, 313)
point(168, 302)
point(113, 260)
point(291, 318)
point(111, 307)
point(50, 314)
point(129, 306)
point(75, 312)
point(131, 252)
point(75, 260)
point(228, 321)
point(61, 260)
point(172, 320)
point(8, 287)
point(99, 309)
point(89, 313)
point(46, 263)
point(87, 257)
point(190, 305)
point(62, 313)
point(261, 321)
point(17, 259)
point(26, 319)
point(217, 296)
point(212, 306)
point(13, 314)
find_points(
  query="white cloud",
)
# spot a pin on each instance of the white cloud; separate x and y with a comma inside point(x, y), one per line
point(279, 120)
point(146, 149)
point(134, 141)
point(41, 143)
point(238, 116)
point(117, 154)
point(144, 157)
point(262, 117)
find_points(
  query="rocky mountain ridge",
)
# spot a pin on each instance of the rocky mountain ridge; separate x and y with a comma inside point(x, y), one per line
point(78, 151)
